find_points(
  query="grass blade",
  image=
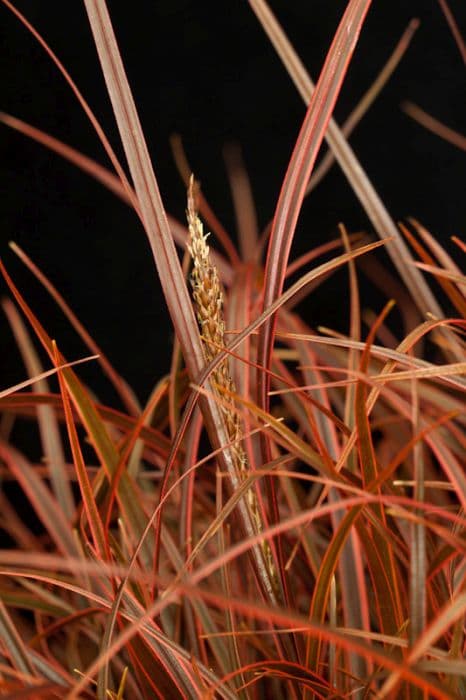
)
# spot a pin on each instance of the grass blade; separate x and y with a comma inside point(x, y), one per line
point(354, 172)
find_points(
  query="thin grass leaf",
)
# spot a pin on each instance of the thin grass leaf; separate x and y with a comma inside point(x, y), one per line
point(446, 274)
point(15, 645)
point(21, 600)
point(81, 161)
point(453, 28)
point(299, 169)
point(357, 178)
point(243, 202)
point(366, 101)
point(418, 551)
point(302, 677)
point(84, 105)
point(90, 506)
point(48, 424)
point(382, 569)
point(455, 609)
point(209, 216)
point(25, 404)
point(321, 592)
point(434, 125)
point(42, 501)
point(121, 387)
point(454, 294)
point(95, 427)
point(435, 247)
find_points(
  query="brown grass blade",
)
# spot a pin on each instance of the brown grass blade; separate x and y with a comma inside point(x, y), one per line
point(434, 125)
point(366, 101)
point(453, 28)
point(243, 201)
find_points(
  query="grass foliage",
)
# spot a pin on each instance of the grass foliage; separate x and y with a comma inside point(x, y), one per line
point(285, 517)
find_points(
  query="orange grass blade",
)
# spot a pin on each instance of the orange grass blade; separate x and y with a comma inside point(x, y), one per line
point(454, 294)
point(461, 244)
point(35, 598)
point(417, 534)
point(25, 404)
point(436, 249)
point(90, 506)
point(379, 551)
point(19, 398)
point(321, 592)
point(48, 424)
point(315, 252)
point(440, 272)
point(299, 675)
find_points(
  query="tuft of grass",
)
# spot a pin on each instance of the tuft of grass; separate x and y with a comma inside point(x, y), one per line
point(285, 517)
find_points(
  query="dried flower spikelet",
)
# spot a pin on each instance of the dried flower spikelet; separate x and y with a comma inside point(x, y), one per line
point(208, 299)
point(207, 292)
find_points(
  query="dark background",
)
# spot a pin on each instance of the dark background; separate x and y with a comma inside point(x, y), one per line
point(207, 71)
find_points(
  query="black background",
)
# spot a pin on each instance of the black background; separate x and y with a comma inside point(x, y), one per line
point(207, 71)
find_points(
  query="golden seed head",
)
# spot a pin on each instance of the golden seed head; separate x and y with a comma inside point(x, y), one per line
point(207, 291)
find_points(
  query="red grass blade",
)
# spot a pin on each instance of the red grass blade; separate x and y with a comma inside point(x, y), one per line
point(357, 178)
point(299, 169)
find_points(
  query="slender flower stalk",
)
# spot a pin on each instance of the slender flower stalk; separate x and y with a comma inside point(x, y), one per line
point(208, 301)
